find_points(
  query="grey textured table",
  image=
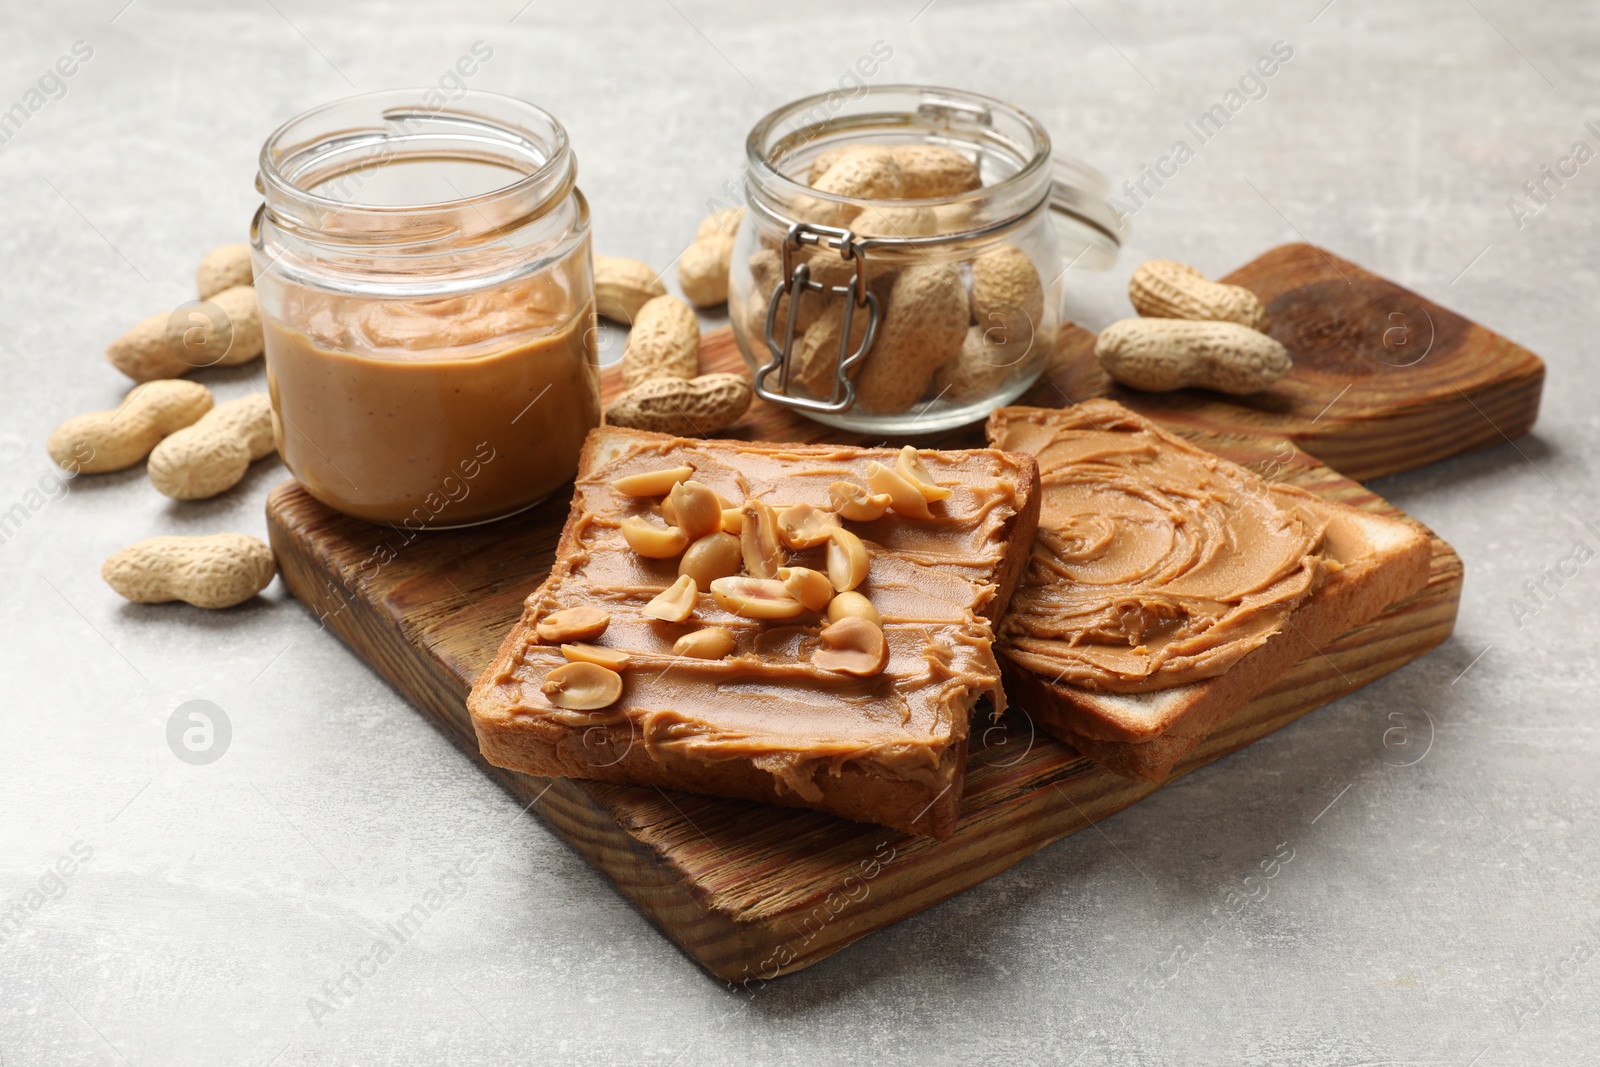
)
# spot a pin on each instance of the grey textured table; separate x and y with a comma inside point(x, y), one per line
point(1439, 902)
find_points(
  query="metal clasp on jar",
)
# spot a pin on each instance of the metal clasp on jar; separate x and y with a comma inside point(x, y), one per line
point(1076, 198)
point(796, 280)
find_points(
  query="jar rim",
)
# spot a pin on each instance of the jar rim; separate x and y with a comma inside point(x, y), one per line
point(958, 101)
point(493, 126)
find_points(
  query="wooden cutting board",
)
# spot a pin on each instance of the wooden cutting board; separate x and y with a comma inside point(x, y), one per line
point(752, 891)
point(1384, 380)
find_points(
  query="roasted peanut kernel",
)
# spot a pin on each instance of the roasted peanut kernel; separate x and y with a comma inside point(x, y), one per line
point(582, 687)
point(852, 502)
point(674, 603)
point(811, 588)
point(847, 560)
point(855, 646)
point(695, 510)
point(613, 659)
point(763, 554)
point(653, 542)
point(733, 520)
point(714, 556)
point(904, 498)
point(722, 504)
point(803, 526)
point(852, 604)
point(910, 467)
point(651, 483)
point(582, 623)
point(714, 642)
point(755, 598)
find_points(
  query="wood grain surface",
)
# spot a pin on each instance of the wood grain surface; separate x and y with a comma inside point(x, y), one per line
point(752, 891)
point(1383, 381)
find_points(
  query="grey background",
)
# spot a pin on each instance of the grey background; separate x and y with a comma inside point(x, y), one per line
point(1441, 912)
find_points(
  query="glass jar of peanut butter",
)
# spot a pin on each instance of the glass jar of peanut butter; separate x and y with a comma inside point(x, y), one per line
point(427, 295)
point(904, 255)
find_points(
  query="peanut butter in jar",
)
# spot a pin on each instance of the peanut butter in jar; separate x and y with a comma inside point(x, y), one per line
point(447, 421)
point(428, 305)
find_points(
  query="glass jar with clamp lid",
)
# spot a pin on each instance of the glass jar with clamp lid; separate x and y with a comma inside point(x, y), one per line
point(902, 259)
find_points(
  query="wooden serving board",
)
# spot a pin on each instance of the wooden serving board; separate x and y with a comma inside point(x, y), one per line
point(752, 891)
point(1384, 380)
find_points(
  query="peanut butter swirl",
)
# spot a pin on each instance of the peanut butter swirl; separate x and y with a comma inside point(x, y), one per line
point(1157, 564)
point(931, 580)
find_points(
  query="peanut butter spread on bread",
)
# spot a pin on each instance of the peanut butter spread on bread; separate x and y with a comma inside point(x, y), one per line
point(933, 581)
point(1157, 564)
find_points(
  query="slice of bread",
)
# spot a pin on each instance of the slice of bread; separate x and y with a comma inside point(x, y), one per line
point(764, 723)
point(1376, 561)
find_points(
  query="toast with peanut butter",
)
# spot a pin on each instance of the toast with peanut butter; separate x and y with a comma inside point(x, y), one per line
point(806, 625)
point(1168, 587)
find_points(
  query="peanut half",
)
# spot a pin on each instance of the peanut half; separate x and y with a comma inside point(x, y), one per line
point(695, 509)
point(623, 286)
point(701, 406)
point(755, 598)
point(802, 526)
point(612, 659)
point(113, 440)
point(170, 344)
point(675, 603)
point(663, 343)
point(652, 483)
point(582, 686)
point(854, 646)
point(812, 588)
point(1167, 289)
point(904, 497)
point(1160, 355)
point(852, 603)
point(713, 642)
point(212, 455)
point(218, 571)
point(909, 466)
point(847, 560)
point(856, 504)
point(652, 541)
point(759, 540)
point(714, 556)
point(582, 623)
